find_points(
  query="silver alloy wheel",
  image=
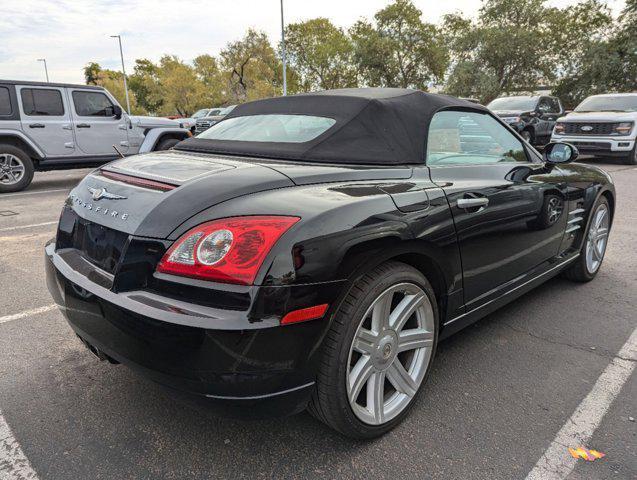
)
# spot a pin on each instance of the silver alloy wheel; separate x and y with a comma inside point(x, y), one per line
point(555, 208)
point(11, 169)
point(597, 238)
point(390, 353)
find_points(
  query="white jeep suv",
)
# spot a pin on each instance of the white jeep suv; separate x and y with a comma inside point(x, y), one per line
point(603, 126)
point(45, 126)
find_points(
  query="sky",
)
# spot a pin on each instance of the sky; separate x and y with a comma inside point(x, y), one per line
point(72, 33)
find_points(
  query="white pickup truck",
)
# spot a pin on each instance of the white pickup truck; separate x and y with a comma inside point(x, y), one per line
point(603, 126)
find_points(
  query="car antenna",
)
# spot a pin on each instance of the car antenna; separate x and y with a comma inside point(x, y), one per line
point(119, 153)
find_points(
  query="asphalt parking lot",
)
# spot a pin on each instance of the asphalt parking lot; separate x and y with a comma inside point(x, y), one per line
point(499, 393)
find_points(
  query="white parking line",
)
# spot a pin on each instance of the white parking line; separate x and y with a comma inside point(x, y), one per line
point(27, 313)
point(6, 195)
point(14, 465)
point(33, 225)
point(557, 463)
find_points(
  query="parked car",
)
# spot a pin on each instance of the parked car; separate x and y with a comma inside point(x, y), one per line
point(191, 122)
point(602, 125)
point(204, 123)
point(310, 251)
point(45, 126)
point(533, 117)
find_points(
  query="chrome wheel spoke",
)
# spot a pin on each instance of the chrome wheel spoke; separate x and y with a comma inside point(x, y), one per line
point(11, 169)
point(404, 310)
point(597, 238)
point(600, 218)
point(359, 376)
point(387, 359)
point(400, 379)
point(414, 338)
point(364, 341)
point(376, 396)
point(380, 312)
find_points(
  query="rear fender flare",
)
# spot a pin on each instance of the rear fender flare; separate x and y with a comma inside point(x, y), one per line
point(154, 135)
point(22, 138)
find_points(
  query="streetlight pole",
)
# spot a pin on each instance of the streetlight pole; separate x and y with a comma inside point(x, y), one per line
point(121, 53)
point(46, 71)
point(285, 80)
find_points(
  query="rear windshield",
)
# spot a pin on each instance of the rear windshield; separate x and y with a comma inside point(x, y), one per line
point(513, 103)
point(619, 103)
point(279, 128)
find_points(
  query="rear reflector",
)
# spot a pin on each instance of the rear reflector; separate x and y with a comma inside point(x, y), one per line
point(305, 314)
point(140, 182)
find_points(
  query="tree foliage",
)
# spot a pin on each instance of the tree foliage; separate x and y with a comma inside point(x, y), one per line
point(251, 68)
point(321, 54)
point(604, 63)
point(511, 46)
point(517, 45)
point(398, 49)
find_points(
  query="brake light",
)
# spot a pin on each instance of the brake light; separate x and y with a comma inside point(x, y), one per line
point(229, 250)
point(140, 182)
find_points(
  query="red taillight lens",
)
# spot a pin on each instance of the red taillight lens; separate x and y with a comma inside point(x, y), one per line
point(229, 250)
point(305, 314)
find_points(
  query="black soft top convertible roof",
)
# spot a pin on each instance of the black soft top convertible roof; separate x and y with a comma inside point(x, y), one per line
point(381, 126)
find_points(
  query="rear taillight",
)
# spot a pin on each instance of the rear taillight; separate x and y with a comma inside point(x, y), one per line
point(229, 250)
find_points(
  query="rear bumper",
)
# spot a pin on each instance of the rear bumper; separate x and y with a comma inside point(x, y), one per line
point(603, 146)
point(241, 361)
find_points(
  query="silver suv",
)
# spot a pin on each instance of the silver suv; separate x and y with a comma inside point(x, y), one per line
point(214, 116)
point(45, 126)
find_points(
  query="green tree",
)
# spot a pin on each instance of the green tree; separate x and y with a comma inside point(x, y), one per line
point(144, 84)
point(517, 45)
point(112, 81)
point(180, 89)
point(208, 72)
point(91, 73)
point(321, 54)
point(398, 49)
point(603, 63)
point(250, 67)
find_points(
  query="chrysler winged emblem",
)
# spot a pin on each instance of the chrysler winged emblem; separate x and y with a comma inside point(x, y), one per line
point(99, 193)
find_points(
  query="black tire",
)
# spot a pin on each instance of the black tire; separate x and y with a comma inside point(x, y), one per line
point(631, 159)
point(329, 402)
point(29, 170)
point(166, 144)
point(579, 271)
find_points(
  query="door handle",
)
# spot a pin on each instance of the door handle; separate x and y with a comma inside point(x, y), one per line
point(83, 125)
point(473, 202)
point(36, 125)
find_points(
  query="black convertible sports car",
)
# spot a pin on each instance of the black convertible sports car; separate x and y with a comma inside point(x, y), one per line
point(310, 251)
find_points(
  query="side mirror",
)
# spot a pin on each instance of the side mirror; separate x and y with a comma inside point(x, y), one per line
point(558, 152)
point(117, 111)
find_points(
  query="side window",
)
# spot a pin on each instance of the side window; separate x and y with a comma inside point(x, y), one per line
point(5, 102)
point(544, 105)
point(92, 104)
point(554, 104)
point(471, 138)
point(42, 102)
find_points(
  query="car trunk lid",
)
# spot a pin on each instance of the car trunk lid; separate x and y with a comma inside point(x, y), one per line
point(197, 182)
